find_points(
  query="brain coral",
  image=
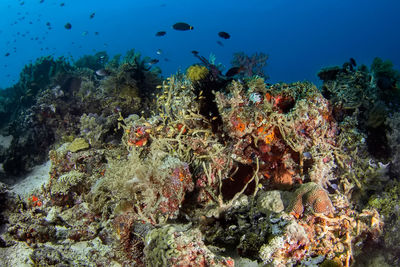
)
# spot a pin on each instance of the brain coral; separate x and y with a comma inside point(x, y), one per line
point(311, 195)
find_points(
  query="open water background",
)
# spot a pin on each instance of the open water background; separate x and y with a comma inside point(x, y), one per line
point(300, 37)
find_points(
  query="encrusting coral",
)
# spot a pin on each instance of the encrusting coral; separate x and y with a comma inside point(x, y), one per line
point(310, 195)
point(78, 144)
point(173, 245)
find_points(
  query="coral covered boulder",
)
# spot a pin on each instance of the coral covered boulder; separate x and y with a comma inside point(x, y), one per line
point(175, 245)
point(310, 195)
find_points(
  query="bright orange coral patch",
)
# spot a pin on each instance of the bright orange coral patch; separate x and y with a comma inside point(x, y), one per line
point(238, 124)
point(267, 134)
point(268, 97)
point(269, 138)
point(181, 176)
point(35, 202)
point(180, 126)
point(241, 127)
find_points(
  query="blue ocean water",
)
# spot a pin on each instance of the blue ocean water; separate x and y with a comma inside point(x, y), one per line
point(300, 37)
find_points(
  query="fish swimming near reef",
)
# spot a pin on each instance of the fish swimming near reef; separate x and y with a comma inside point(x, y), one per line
point(159, 52)
point(224, 35)
point(102, 72)
point(194, 52)
point(182, 26)
point(234, 71)
point(353, 62)
point(152, 62)
point(220, 43)
point(161, 33)
point(68, 26)
point(92, 15)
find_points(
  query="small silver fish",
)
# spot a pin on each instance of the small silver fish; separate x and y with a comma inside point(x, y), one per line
point(159, 52)
point(152, 62)
point(102, 72)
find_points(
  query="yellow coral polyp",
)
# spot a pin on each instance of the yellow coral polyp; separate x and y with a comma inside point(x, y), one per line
point(196, 73)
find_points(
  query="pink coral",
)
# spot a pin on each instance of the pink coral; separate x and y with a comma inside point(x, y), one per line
point(174, 189)
point(312, 195)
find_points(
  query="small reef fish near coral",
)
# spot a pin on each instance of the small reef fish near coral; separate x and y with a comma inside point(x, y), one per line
point(105, 162)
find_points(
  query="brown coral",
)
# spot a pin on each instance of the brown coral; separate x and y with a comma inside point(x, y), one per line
point(312, 195)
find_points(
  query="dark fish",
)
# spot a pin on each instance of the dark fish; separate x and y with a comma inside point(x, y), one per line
point(48, 24)
point(194, 52)
point(233, 71)
point(353, 62)
point(102, 72)
point(153, 61)
point(220, 43)
point(96, 33)
point(7, 54)
point(62, 4)
point(224, 35)
point(161, 33)
point(92, 15)
point(68, 26)
point(182, 26)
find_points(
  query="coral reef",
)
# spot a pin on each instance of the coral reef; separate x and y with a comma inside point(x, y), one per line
point(393, 137)
point(310, 195)
point(252, 65)
point(201, 169)
point(52, 96)
point(196, 73)
point(93, 62)
point(78, 144)
point(175, 245)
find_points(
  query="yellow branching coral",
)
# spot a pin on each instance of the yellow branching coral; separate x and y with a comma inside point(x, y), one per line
point(196, 73)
